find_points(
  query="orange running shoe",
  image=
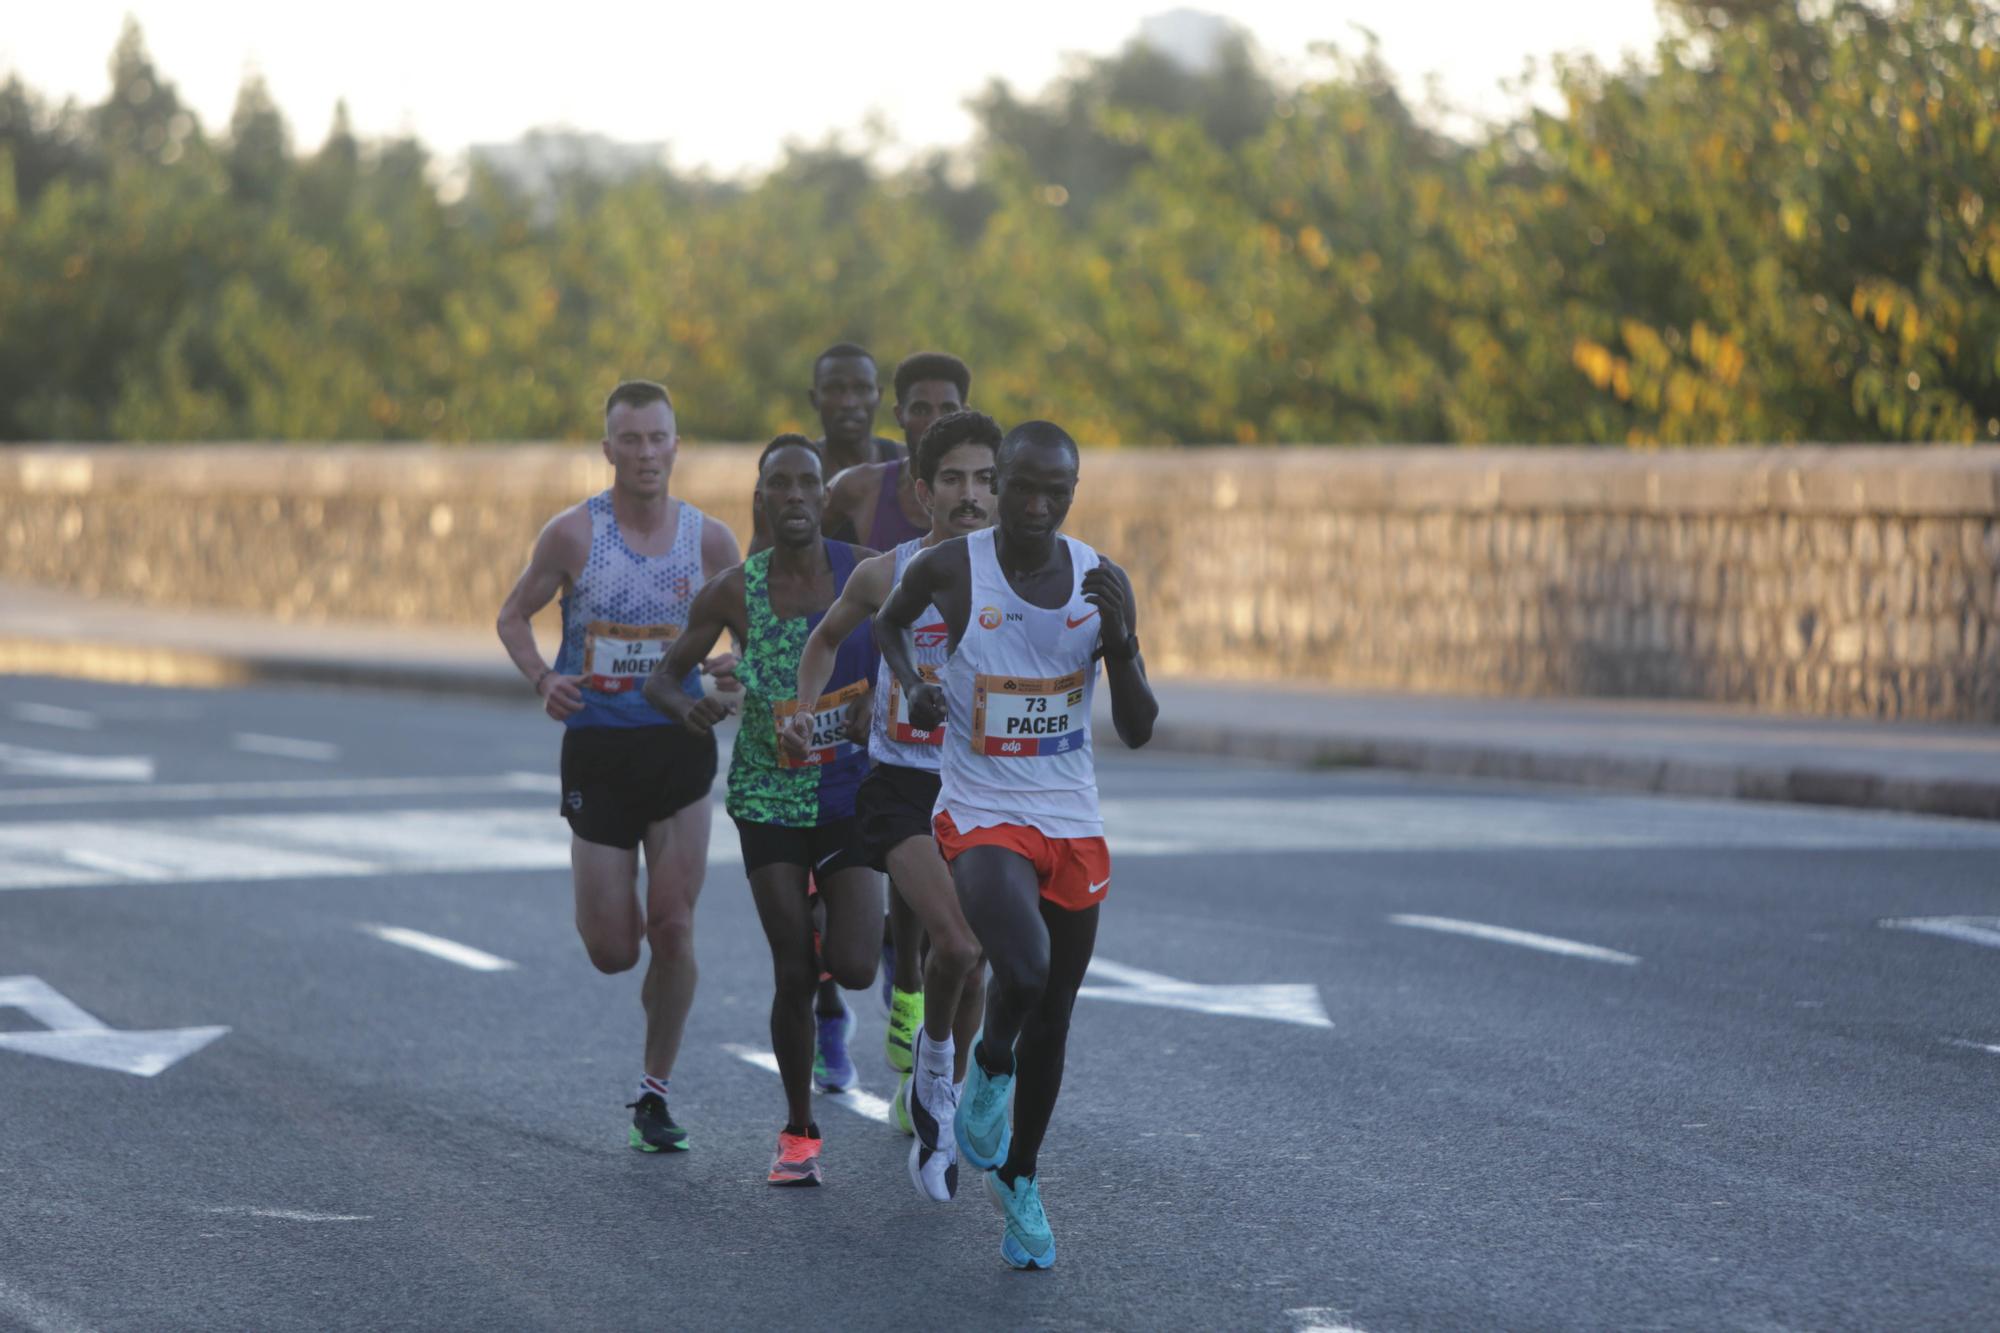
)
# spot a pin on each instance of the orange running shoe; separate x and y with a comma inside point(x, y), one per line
point(797, 1162)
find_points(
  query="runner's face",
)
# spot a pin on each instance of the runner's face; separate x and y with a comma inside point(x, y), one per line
point(927, 401)
point(791, 492)
point(961, 499)
point(1036, 488)
point(845, 392)
point(640, 443)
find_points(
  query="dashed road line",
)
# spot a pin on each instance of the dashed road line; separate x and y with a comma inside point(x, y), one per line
point(25, 761)
point(285, 747)
point(439, 947)
point(854, 1099)
point(50, 715)
point(1970, 929)
point(287, 1214)
point(1525, 938)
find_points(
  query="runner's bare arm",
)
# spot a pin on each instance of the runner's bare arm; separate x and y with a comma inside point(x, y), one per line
point(718, 552)
point(559, 554)
point(923, 578)
point(866, 587)
point(843, 501)
point(717, 607)
point(1133, 707)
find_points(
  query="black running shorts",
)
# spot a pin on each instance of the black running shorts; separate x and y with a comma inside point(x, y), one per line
point(618, 780)
point(894, 803)
point(820, 848)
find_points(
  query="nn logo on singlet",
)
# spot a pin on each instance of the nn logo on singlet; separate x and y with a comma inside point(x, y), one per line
point(990, 617)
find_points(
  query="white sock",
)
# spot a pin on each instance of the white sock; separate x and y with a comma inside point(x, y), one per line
point(656, 1086)
point(934, 1058)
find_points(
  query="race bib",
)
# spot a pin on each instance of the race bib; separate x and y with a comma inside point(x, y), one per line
point(829, 731)
point(617, 658)
point(899, 713)
point(1016, 717)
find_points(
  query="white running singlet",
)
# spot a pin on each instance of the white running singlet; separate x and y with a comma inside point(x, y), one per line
point(1018, 694)
point(891, 738)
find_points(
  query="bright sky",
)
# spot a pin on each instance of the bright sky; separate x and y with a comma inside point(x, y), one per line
point(727, 84)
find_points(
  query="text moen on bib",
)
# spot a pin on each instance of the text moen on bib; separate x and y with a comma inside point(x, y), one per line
point(617, 658)
point(1020, 717)
point(829, 727)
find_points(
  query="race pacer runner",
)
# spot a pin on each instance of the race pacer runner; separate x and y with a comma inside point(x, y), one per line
point(627, 563)
point(1028, 612)
point(793, 817)
point(954, 466)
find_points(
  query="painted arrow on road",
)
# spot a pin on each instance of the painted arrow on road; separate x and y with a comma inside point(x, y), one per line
point(77, 1037)
point(1287, 1003)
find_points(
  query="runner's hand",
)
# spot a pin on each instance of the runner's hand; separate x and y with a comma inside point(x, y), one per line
point(722, 666)
point(1105, 591)
point(707, 711)
point(860, 710)
point(927, 707)
point(560, 696)
point(796, 735)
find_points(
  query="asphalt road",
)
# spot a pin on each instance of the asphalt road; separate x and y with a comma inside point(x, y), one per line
point(1703, 1086)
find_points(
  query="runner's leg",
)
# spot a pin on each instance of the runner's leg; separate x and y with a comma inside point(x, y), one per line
point(1044, 1039)
point(779, 890)
point(607, 903)
point(851, 946)
point(1001, 896)
point(924, 892)
point(676, 864)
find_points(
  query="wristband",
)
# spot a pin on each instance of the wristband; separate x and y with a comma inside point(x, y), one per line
point(1128, 650)
point(546, 673)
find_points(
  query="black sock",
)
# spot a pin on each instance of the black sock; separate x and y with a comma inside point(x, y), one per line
point(811, 1130)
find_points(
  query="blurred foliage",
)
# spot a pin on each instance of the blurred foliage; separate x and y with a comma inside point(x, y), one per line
point(1783, 224)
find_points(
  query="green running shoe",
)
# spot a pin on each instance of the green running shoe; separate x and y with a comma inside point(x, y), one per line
point(981, 1123)
point(653, 1129)
point(906, 1017)
point(903, 1106)
point(1028, 1242)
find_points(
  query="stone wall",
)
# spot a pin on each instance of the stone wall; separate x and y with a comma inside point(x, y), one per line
point(1841, 581)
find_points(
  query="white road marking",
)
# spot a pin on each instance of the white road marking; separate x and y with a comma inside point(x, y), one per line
point(1972, 1045)
point(854, 1099)
point(123, 867)
point(1503, 935)
point(297, 845)
point(288, 1214)
point(296, 790)
point(1153, 825)
point(438, 947)
point(37, 1314)
point(1319, 1319)
point(49, 715)
point(30, 763)
point(285, 747)
point(75, 1035)
point(1971, 929)
point(1284, 1003)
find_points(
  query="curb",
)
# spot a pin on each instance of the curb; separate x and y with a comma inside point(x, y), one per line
point(1857, 789)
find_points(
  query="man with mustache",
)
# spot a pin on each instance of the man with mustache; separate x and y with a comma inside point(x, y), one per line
point(881, 501)
point(627, 563)
point(1028, 612)
point(954, 471)
point(794, 817)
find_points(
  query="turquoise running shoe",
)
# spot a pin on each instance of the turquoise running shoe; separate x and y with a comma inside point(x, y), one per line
point(833, 1068)
point(1028, 1242)
point(981, 1126)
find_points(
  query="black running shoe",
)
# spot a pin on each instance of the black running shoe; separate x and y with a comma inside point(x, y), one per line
point(653, 1130)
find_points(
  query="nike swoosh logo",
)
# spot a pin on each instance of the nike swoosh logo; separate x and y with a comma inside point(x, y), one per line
point(1073, 624)
point(1099, 888)
point(821, 863)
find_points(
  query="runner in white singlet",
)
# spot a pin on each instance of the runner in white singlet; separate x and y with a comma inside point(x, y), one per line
point(1029, 613)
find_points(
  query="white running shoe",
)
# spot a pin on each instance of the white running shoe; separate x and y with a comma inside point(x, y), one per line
point(932, 1102)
